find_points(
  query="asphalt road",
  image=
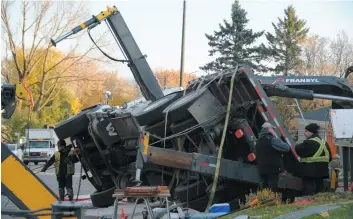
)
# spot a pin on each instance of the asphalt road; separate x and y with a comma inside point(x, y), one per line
point(86, 188)
point(49, 179)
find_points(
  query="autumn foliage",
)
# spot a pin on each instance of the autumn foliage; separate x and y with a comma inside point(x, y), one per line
point(171, 78)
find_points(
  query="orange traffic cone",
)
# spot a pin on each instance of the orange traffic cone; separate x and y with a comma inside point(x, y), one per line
point(122, 215)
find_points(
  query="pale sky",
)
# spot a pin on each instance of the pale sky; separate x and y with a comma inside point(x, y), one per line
point(156, 25)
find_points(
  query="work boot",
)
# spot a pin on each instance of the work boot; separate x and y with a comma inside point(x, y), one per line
point(61, 194)
point(70, 193)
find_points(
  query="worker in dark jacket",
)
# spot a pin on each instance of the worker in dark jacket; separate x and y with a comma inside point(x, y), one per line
point(64, 160)
point(315, 157)
point(269, 155)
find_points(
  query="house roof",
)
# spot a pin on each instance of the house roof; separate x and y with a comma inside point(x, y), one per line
point(318, 115)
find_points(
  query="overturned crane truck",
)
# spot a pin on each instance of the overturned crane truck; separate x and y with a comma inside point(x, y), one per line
point(176, 139)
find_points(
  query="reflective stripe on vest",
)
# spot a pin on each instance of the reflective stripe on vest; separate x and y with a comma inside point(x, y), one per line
point(317, 156)
point(70, 167)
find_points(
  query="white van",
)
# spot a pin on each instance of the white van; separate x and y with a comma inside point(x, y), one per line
point(16, 150)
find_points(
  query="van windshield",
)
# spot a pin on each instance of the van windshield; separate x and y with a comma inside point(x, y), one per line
point(39, 144)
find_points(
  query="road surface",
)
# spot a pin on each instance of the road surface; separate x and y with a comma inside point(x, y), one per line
point(86, 189)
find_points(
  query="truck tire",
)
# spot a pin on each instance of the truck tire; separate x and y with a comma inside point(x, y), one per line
point(103, 199)
point(26, 162)
point(196, 190)
point(178, 110)
point(153, 112)
point(35, 163)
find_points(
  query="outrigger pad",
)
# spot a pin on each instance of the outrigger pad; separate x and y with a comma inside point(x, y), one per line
point(288, 181)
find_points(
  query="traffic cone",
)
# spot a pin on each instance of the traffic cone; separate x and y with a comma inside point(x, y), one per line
point(122, 214)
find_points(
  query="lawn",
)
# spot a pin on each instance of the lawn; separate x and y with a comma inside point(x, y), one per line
point(345, 212)
point(345, 200)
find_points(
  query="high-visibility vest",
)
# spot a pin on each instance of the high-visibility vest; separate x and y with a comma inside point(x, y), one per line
point(70, 167)
point(317, 156)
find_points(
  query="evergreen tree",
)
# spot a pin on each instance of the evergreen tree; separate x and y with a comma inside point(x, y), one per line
point(284, 46)
point(233, 43)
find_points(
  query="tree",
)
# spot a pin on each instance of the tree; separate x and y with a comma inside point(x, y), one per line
point(285, 108)
point(315, 56)
point(234, 43)
point(47, 86)
point(122, 90)
point(18, 123)
point(57, 109)
point(31, 50)
point(92, 92)
point(284, 45)
point(341, 53)
point(324, 56)
point(170, 78)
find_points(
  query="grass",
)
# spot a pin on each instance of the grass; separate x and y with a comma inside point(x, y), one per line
point(345, 212)
point(345, 200)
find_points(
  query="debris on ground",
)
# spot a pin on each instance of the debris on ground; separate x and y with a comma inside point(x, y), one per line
point(324, 214)
point(261, 198)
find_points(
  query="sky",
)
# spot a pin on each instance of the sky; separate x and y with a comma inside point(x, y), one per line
point(156, 26)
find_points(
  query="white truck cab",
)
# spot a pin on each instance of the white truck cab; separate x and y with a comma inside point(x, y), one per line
point(40, 145)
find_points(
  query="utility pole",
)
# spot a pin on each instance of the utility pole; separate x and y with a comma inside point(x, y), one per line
point(165, 82)
point(182, 47)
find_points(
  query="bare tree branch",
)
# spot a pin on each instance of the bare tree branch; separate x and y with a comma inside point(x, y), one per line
point(5, 7)
point(48, 97)
point(25, 8)
point(341, 53)
point(33, 57)
point(323, 56)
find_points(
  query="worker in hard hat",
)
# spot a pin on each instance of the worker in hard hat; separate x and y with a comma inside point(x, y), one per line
point(64, 160)
point(315, 156)
point(269, 154)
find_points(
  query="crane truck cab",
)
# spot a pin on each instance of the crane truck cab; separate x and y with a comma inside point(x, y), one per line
point(40, 145)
